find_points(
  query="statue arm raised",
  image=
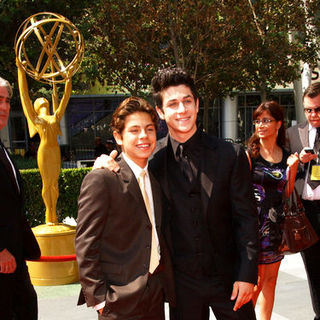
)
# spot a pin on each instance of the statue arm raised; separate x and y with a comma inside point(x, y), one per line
point(24, 95)
point(26, 102)
point(65, 99)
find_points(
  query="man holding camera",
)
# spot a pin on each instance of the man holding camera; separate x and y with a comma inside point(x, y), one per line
point(304, 138)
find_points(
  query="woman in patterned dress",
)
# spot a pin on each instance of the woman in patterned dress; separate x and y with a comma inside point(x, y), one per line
point(272, 166)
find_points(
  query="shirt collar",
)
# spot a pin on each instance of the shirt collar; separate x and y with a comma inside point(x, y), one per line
point(189, 146)
point(134, 167)
point(311, 128)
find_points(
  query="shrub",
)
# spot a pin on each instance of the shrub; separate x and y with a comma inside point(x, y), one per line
point(69, 188)
point(24, 163)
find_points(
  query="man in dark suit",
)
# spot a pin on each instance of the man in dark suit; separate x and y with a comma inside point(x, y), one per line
point(304, 138)
point(123, 263)
point(211, 217)
point(18, 299)
point(210, 220)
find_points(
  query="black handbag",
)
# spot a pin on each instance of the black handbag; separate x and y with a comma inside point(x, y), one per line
point(297, 231)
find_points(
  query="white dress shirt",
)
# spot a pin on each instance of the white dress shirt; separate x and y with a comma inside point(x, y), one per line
point(136, 171)
point(309, 193)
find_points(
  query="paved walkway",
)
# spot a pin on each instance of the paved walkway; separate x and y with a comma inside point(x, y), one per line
point(292, 297)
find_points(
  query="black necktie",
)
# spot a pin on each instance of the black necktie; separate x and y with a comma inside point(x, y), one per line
point(316, 148)
point(185, 164)
point(8, 166)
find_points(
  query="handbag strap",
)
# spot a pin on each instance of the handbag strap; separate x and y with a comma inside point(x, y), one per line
point(293, 203)
point(249, 160)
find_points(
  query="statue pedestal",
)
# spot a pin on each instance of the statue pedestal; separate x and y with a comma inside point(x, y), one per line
point(54, 240)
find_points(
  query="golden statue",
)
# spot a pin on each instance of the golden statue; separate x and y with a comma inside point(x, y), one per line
point(48, 127)
point(48, 68)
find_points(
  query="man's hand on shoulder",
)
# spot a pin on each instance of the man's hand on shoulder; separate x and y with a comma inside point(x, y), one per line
point(242, 291)
point(107, 162)
point(7, 262)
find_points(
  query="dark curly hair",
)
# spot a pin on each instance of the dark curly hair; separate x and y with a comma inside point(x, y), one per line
point(169, 77)
point(129, 106)
point(276, 111)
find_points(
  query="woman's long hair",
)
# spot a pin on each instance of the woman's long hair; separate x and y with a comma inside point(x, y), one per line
point(276, 111)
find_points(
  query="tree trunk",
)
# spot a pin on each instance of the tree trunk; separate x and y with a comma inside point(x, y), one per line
point(297, 86)
point(306, 76)
point(263, 92)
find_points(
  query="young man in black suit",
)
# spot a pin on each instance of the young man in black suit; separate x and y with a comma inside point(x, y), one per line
point(125, 270)
point(210, 219)
point(299, 137)
point(18, 299)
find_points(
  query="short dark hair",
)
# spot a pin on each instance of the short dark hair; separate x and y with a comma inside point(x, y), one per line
point(170, 77)
point(276, 111)
point(129, 106)
point(312, 91)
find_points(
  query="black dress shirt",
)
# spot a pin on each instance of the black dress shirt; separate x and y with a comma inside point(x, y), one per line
point(193, 253)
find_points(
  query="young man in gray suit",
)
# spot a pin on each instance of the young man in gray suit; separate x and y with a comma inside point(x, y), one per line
point(304, 138)
point(125, 270)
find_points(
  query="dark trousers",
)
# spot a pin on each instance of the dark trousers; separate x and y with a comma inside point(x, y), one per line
point(150, 306)
point(311, 256)
point(196, 296)
point(18, 299)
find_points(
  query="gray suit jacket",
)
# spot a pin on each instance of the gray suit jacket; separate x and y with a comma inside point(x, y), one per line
point(113, 239)
point(298, 138)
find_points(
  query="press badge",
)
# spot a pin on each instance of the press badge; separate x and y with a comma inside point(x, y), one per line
point(315, 172)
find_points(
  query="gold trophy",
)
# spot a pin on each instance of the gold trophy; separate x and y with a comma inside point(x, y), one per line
point(48, 48)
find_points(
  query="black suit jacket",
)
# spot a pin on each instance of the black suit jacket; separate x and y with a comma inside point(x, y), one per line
point(229, 206)
point(15, 233)
point(113, 239)
point(298, 138)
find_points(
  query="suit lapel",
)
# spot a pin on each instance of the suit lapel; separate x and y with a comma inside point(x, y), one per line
point(9, 170)
point(304, 134)
point(131, 182)
point(159, 166)
point(209, 163)
point(157, 203)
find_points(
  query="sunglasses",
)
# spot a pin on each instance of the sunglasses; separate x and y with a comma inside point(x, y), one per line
point(310, 110)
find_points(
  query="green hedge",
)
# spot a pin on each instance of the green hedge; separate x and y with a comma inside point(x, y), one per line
point(69, 187)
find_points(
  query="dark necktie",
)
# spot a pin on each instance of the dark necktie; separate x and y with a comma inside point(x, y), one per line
point(185, 164)
point(317, 142)
point(8, 166)
point(316, 148)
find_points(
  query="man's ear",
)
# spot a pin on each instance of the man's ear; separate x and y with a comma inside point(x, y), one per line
point(160, 113)
point(117, 136)
point(197, 105)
